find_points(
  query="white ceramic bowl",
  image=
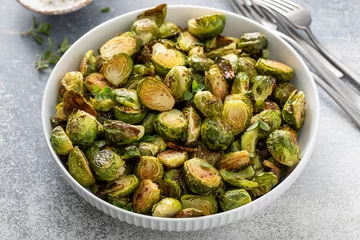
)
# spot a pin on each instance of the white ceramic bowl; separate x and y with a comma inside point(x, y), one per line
point(235, 26)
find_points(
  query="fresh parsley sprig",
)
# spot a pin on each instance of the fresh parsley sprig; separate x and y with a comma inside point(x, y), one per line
point(37, 29)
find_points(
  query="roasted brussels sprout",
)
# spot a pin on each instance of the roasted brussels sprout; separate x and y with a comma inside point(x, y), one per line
point(148, 123)
point(146, 69)
point(167, 207)
point(189, 213)
point(93, 149)
point(198, 50)
point(249, 140)
point(88, 64)
point(262, 88)
point(282, 92)
point(168, 29)
point(294, 109)
point(240, 84)
point(234, 161)
point(131, 153)
point(117, 69)
point(186, 41)
point(164, 59)
point(239, 179)
point(60, 141)
point(178, 80)
point(278, 70)
point(125, 43)
point(210, 44)
point(71, 81)
point(173, 158)
point(193, 125)
point(82, 129)
point(270, 105)
point(156, 14)
point(96, 81)
point(148, 149)
point(233, 60)
point(237, 113)
point(79, 168)
point(146, 196)
point(273, 120)
point(222, 41)
point(103, 105)
point(216, 134)
point(158, 141)
point(234, 198)
point(60, 112)
point(129, 115)
point(234, 147)
point(226, 68)
point(247, 65)
point(208, 104)
point(253, 43)
point(171, 125)
point(145, 29)
point(211, 157)
point(121, 187)
point(287, 127)
point(283, 146)
point(206, 204)
point(127, 97)
point(107, 165)
point(121, 202)
point(173, 184)
point(266, 181)
point(120, 133)
point(133, 82)
point(200, 63)
point(222, 51)
point(155, 95)
point(149, 168)
point(201, 177)
point(207, 26)
point(75, 101)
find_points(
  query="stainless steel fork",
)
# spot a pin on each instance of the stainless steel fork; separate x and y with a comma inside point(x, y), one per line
point(266, 18)
point(300, 18)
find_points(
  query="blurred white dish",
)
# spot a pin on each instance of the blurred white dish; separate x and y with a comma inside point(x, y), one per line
point(54, 7)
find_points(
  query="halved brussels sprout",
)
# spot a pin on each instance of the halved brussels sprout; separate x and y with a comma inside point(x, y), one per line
point(127, 97)
point(164, 58)
point(121, 202)
point(107, 165)
point(189, 213)
point(145, 29)
point(93, 149)
point(155, 95)
point(186, 41)
point(173, 158)
point(60, 141)
point(131, 153)
point(178, 80)
point(240, 84)
point(121, 187)
point(208, 104)
point(156, 14)
point(96, 81)
point(60, 112)
point(129, 115)
point(117, 69)
point(82, 129)
point(168, 29)
point(148, 123)
point(233, 60)
point(262, 88)
point(167, 207)
point(56, 121)
point(287, 127)
point(234, 161)
point(171, 125)
point(206, 204)
point(120, 133)
point(234, 198)
point(247, 65)
point(237, 113)
point(282, 92)
point(273, 120)
point(216, 82)
point(256, 162)
point(216, 134)
point(133, 82)
point(125, 43)
point(248, 141)
point(198, 50)
point(294, 109)
point(253, 43)
point(193, 125)
point(79, 168)
point(88, 64)
point(173, 185)
point(234, 147)
point(222, 41)
point(211, 157)
point(158, 141)
point(99, 62)
point(200, 63)
point(146, 69)
point(222, 51)
point(145, 196)
point(211, 44)
point(226, 68)
point(283, 146)
point(266, 181)
point(207, 26)
point(71, 81)
point(148, 149)
point(280, 71)
point(270, 105)
point(239, 179)
point(75, 101)
point(201, 177)
point(103, 105)
point(149, 167)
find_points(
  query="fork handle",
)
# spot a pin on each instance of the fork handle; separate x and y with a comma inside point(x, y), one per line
point(355, 77)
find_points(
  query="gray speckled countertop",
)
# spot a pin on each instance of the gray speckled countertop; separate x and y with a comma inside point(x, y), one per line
point(37, 203)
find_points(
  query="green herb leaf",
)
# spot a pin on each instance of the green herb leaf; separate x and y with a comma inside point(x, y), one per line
point(38, 39)
point(44, 28)
point(105, 10)
point(96, 89)
point(35, 25)
point(147, 138)
point(194, 85)
point(253, 126)
point(188, 95)
point(265, 53)
point(264, 126)
point(200, 87)
point(64, 46)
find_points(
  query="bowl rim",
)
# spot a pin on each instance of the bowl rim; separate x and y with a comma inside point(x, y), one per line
point(286, 183)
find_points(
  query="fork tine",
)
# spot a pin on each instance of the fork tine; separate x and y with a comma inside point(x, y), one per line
point(292, 4)
point(268, 16)
point(276, 8)
point(235, 7)
point(239, 5)
point(284, 4)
